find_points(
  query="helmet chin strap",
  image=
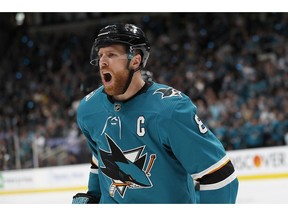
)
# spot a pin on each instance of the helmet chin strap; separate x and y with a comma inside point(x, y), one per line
point(131, 73)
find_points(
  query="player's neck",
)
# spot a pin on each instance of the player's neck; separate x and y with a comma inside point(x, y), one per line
point(136, 84)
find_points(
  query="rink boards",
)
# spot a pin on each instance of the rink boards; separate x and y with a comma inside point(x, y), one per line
point(262, 172)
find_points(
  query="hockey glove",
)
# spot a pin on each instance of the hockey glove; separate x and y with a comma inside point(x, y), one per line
point(84, 198)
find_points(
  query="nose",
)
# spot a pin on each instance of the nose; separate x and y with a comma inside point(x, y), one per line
point(103, 61)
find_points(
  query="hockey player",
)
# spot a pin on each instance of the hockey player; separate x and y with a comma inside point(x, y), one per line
point(148, 144)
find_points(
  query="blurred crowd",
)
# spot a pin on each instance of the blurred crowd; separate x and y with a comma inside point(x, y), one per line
point(234, 67)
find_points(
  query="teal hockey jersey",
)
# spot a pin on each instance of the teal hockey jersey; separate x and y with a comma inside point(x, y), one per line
point(153, 148)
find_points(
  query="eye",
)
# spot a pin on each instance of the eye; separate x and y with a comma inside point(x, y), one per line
point(111, 55)
point(99, 55)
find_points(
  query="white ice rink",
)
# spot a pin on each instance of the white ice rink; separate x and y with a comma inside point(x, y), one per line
point(250, 192)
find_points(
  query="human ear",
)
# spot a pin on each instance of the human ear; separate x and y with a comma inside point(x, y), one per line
point(135, 61)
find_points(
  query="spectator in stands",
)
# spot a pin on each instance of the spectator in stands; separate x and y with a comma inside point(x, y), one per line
point(241, 60)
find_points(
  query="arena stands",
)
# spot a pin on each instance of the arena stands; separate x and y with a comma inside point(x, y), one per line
point(234, 66)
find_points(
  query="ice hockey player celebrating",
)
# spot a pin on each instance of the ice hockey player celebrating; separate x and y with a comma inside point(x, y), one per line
point(147, 142)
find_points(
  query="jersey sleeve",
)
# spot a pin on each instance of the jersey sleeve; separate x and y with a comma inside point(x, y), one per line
point(93, 181)
point(200, 153)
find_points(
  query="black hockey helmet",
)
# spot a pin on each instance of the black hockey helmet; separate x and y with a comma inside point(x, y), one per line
point(127, 34)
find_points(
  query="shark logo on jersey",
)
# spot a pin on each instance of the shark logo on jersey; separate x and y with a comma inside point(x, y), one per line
point(126, 168)
point(168, 92)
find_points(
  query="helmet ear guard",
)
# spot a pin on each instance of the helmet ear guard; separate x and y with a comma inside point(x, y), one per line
point(128, 35)
point(144, 53)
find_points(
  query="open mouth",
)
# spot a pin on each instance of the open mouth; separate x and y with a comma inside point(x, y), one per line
point(107, 77)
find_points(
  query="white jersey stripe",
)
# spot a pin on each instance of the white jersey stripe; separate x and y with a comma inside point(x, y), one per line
point(224, 160)
point(218, 185)
point(94, 171)
point(94, 159)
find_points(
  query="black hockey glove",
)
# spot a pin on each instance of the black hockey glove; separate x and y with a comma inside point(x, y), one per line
point(84, 198)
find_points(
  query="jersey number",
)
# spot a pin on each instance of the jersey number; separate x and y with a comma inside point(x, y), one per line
point(140, 127)
point(201, 126)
